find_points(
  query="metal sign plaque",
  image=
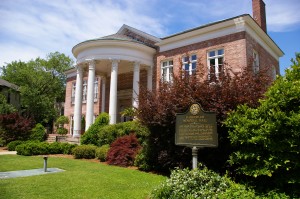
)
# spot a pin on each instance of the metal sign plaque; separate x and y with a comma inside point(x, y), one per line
point(196, 128)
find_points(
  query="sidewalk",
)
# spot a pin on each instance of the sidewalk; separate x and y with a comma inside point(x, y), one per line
point(8, 152)
point(4, 151)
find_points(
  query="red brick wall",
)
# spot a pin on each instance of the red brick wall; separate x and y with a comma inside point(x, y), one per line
point(69, 107)
point(234, 46)
point(265, 59)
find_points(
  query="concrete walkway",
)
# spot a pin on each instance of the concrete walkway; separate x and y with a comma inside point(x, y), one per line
point(8, 152)
point(31, 172)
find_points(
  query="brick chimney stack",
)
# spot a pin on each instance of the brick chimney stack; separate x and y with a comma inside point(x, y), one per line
point(259, 13)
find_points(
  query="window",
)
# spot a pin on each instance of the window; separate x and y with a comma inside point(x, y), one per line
point(84, 91)
point(96, 90)
point(189, 64)
point(167, 71)
point(215, 64)
point(71, 124)
point(73, 93)
point(255, 62)
point(273, 72)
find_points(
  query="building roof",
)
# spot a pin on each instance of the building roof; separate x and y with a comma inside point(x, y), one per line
point(9, 85)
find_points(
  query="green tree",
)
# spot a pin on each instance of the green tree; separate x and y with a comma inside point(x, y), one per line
point(6, 108)
point(267, 138)
point(41, 82)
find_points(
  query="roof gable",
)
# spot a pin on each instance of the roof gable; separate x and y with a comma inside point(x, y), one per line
point(138, 35)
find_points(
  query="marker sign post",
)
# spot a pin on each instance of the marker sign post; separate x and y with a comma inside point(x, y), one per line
point(196, 129)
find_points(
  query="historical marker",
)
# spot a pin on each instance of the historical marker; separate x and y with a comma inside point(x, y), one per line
point(196, 129)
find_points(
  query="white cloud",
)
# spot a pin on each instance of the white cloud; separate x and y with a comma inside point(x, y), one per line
point(39, 27)
point(283, 16)
point(31, 28)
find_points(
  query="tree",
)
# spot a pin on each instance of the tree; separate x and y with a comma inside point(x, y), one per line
point(41, 82)
point(5, 108)
point(157, 110)
point(267, 138)
point(15, 127)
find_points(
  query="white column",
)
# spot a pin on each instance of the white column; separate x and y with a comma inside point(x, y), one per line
point(135, 89)
point(149, 77)
point(90, 95)
point(113, 92)
point(103, 84)
point(78, 103)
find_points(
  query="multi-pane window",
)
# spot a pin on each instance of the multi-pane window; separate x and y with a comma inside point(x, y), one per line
point(71, 124)
point(189, 64)
point(84, 91)
point(73, 92)
point(255, 62)
point(96, 92)
point(215, 64)
point(167, 71)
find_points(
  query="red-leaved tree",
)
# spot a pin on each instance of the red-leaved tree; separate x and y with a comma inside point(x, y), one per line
point(15, 127)
point(158, 108)
point(123, 151)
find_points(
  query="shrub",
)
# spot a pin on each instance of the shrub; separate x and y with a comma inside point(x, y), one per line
point(84, 151)
point(101, 152)
point(267, 138)
point(67, 148)
point(142, 158)
point(123, 151)
point(60, 125)
point(204, 183)
point(110, 133)
point(33, 148)
point(90, 136)
point(15, 127)
point(38, 133)
point(62, 131)
point(29, 148)
point(12, 145)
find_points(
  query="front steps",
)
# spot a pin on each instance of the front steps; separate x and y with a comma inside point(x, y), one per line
point(62, 138)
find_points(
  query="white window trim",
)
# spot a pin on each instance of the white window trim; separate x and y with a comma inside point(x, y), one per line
point(96, 89)
point(168, 79)
point(217, 72)
point(73, 92)
point(84, 91)
point(190, 62)
point(255, 62)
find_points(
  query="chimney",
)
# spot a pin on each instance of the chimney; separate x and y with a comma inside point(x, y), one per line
point(259, 13)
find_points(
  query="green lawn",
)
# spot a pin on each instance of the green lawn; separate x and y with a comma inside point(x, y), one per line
point(81, 179)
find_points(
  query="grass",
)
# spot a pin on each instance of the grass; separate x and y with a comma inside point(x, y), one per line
point(81, 179)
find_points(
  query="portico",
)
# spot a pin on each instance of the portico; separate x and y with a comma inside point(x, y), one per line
point(111, 58)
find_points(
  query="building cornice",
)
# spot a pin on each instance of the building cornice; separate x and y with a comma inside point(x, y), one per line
point(110, 42)
point(222, 28)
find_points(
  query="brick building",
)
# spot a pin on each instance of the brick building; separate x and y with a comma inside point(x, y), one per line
point(110, 69)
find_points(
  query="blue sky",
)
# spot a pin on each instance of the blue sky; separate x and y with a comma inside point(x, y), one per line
point(34, 28)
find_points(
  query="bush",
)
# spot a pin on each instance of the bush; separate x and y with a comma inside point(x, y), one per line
point(12, 145)
point(204, 183)
point(38, 133)
point(123, 151)
point(91, 136)
point(110, 133)
point(15, 127)
point(267, 138)
point(33, 148)
point(84, 151)
point(67, 148)
point(142, 158)
point(101, 152)
point(29, 148)
point(62, 131)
